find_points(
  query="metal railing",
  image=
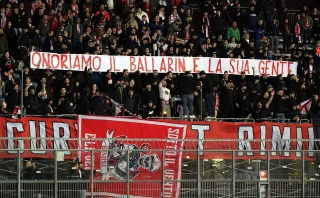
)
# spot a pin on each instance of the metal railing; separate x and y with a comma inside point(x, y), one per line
point(200, 177)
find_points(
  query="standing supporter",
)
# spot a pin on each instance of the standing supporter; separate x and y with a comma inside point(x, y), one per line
point(165, 98)
point(186, 86)
point(228, 99)
point(209, 93)
point(307, 25)
point(274, 34)
point(149, 95)
point(279, 105)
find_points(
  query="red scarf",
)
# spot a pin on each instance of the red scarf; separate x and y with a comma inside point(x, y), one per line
point(234, 27)
point(297, 30)
point(205, 26)
point(3, 21)
point(307, 22)
point(49, 2)
point(187, 37)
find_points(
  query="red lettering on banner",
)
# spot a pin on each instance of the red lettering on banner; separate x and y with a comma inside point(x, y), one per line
point(219, 68)
point(275, 69)
point(209, 67)
point(195, 65)
point(140, 64)
point(32, 59)
point(85, 62)
point(170, 62)
point(230, 62)
point(267, 66)
point(246, 67)
point(163, 68)
point(241, 69)
point(289, 67)
point(76, 63)
point(146, 62)
point(163, 64)
point(182, 65)
point(114, 65)
point(70, 64)
point(98, 65)
point(63, 61)
point(45, 60)
point(58, 61)
point(261, 67)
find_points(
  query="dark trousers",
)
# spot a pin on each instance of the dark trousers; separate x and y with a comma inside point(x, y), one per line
point(210, 100)
point(228, 112)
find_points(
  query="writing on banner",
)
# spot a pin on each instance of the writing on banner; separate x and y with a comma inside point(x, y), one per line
point(146, 159)
point(146, 64)
point(30, 130)
point(254, 140)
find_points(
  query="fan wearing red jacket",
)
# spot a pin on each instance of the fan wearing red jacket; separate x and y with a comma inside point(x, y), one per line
point(103, 14)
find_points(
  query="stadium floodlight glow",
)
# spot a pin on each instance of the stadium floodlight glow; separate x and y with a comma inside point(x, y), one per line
point(217, 160)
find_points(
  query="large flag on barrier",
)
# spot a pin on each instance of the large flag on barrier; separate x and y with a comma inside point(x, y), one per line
point(119, 159)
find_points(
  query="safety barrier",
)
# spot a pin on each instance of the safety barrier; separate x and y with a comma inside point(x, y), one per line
point(228, 177)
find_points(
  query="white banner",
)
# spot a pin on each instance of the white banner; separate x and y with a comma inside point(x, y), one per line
point(146, 64)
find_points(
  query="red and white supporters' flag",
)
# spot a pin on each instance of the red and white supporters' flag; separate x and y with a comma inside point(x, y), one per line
point(111, 163)
point(305, 106)
point(146, 64)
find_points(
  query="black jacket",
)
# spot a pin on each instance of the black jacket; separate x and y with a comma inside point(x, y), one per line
point(99, 106)
point(83, 105)
point(148, 96)
point(131, 105)
point(32, 104)
point(186, 85)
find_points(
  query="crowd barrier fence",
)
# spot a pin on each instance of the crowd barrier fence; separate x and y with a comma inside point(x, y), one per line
point(212, 178)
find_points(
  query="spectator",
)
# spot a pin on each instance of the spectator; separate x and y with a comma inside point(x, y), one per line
point(4, 109)
point(165, 98)
point(287, 31)
point(149, 111)
point(259, 112)
point(64, 102)
point(3, 43)
point(233, 31)
point(274, 34)
point(83, 103)
point(149, 95)
point(229, 100)
point(31, 101)
point(279, 105)
point(186, 85)
point(259, 32)
point(99, 105)
point(307, 25)
point(219, 24)
point(130, 103)
point(209, 93)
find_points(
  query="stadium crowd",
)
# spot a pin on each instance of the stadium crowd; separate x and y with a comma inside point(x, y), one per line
point(216, 28)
